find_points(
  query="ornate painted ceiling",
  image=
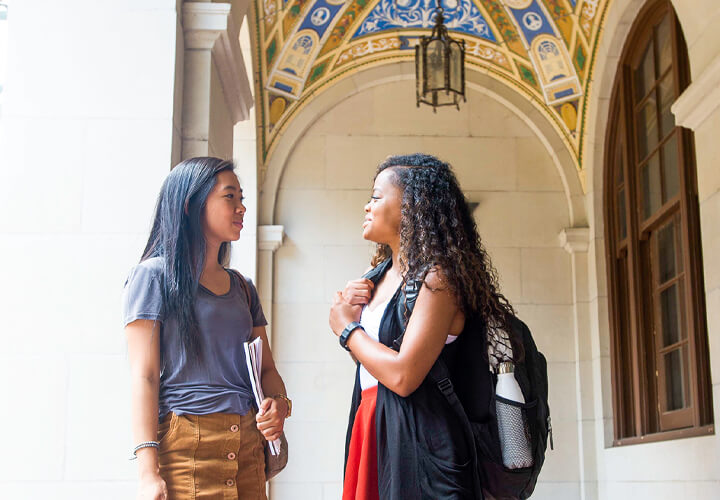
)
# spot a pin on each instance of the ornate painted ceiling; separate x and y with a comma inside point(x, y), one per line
point(543, 48)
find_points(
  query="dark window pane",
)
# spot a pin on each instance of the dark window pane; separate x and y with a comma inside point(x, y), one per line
point(664, 40)
point(675, 379)
point(621, 214)
point(619, 167)
point(624, 351)
point(645, 73)
point(672, 324)
point(650, 184)
point(678, 244)
point(647, 133)
point(666, 252)
point(671, 169)
point(667, 97)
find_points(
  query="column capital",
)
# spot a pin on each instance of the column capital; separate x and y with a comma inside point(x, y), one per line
point(575, 239)
point(203, 23)
point(210, 26)
point(270, 237)
point(700, 99)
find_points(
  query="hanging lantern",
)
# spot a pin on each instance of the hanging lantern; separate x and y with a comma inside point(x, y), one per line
point(440, 67)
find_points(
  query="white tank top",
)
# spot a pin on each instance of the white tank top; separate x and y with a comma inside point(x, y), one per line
point(370, 321)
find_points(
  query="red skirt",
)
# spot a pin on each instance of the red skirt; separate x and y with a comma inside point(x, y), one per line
point(361, 472)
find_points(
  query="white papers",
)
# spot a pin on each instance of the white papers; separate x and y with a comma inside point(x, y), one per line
point(253, 358)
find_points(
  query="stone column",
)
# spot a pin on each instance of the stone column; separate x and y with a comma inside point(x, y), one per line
point(575, 240)
point(216, 91)
point(269, 239)
point(244, 255)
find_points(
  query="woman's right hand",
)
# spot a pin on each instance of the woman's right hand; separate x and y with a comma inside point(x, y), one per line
point(152, 487)
point(358, 292)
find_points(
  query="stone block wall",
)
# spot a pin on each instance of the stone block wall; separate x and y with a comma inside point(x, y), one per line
point(86, 142)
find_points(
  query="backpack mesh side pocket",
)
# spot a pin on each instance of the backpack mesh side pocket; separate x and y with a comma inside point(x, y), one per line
point(514, 433)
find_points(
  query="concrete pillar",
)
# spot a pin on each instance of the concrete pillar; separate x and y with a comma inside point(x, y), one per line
point(216, 93)
point(269, 239)
point(575, 240)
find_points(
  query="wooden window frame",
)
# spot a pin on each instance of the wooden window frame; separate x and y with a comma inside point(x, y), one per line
point(637, 377)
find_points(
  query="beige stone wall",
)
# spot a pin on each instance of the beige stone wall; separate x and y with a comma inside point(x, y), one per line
point(91, 125)
point(324, 186)
point(85, 142)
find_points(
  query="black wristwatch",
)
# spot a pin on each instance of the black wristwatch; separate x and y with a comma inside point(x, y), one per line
point(345, 335)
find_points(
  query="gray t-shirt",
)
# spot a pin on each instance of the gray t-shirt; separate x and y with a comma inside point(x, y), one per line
point(219, 382)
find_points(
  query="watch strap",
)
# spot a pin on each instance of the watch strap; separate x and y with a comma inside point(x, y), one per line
point(345, 335)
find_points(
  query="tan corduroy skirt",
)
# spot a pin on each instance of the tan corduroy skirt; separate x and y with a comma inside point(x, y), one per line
point(218, 456)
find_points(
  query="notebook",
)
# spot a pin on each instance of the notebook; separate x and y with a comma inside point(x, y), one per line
point(253, 357)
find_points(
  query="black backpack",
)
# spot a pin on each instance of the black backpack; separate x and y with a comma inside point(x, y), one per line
point(496, 481)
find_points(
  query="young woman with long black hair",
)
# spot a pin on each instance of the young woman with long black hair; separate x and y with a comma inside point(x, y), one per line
point(186, 317)
point(404, 440)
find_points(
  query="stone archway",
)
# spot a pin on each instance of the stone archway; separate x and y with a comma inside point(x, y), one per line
point(523, 107)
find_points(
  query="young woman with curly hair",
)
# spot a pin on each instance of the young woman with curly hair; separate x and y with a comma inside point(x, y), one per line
point(404, 440)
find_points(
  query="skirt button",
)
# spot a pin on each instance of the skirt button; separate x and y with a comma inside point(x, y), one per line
point(234, 428)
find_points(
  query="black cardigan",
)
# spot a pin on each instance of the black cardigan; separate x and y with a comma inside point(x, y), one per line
point(423, 451)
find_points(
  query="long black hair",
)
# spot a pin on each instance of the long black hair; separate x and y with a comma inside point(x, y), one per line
point(177, 236)
point(437, 230)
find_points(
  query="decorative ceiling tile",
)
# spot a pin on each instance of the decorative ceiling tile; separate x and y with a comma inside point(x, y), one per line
point(460, 16)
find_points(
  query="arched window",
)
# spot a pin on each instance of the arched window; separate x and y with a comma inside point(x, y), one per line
point(660, 372)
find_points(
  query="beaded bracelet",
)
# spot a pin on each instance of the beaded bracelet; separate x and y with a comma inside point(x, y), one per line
point(146, 444)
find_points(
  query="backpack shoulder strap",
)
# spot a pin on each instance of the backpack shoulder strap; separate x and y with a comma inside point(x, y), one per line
point(244, 285)
point(378, 271)
point(440, 375)
point(405, 307)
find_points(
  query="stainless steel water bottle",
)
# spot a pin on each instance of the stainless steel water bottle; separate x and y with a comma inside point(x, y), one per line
point(515, 442)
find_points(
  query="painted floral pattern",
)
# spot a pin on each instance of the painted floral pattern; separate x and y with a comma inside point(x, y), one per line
point(460, 15)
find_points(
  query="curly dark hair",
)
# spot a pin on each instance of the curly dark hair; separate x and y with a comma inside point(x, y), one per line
point(437, 231)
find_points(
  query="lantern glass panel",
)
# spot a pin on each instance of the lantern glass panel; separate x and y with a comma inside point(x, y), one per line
point(435, 65)
point(456, 61)
point(446, 98)
point(419, 68)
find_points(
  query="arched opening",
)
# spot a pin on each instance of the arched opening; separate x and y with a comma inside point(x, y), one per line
point(502, 163)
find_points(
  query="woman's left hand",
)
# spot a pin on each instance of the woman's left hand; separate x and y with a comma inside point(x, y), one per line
point(271, 418)
point(342, 314)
